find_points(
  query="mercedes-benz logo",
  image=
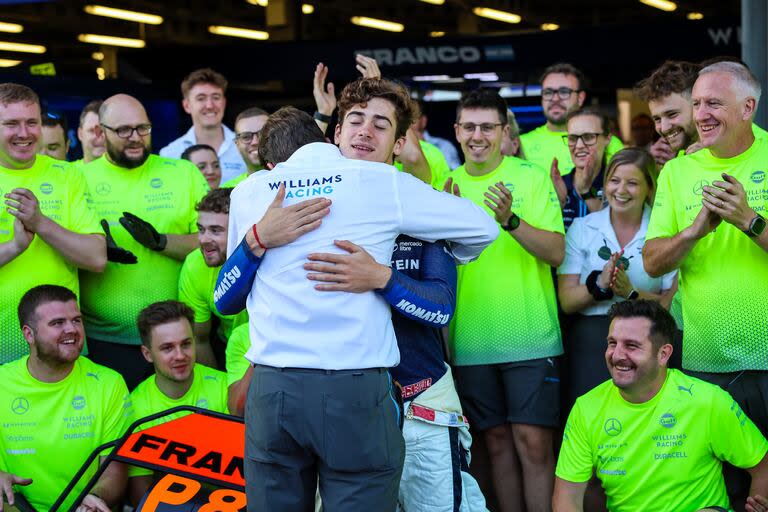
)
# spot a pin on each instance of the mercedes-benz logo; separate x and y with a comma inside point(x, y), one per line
point(612, 427)
point(698, 187)
point(103, 188)
point(20, 405)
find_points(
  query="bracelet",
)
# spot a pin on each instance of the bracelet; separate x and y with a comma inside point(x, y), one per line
point(594, 290)
point(321, 117)
point(256, 235)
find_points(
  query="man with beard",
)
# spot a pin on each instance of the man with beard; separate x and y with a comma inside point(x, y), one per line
point(169, 344)
point(203, 92)
point(248, 124)
point(147, 207)
point(197, 281)
point(563, 90)
point(47, 231)
point(90, 134)
point(655, 437)
point(57, 407)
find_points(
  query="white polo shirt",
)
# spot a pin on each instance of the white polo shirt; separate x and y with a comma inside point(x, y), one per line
point(294, 325)
point(231, 162)
point(583, 255)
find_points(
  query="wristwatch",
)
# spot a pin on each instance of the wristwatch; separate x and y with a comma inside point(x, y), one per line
point(756, 226)
point(512, 223)
point(595, 290)
point(590, 194)
point(634, 294)
point(323, 118)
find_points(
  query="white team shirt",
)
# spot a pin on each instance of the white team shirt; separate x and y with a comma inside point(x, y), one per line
point(583, 241)
point(231, 162)
point(294, 325)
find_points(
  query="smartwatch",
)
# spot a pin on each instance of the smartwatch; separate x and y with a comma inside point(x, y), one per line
point(634, 294)
point(512, 223)
point(590, 194)
point(756, 227)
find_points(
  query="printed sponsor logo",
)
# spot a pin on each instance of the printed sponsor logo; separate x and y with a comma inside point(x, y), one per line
point(46, 188)
point(435, 317)
point(307, 187)
point(156, 183)
point(78, 402)
point(20, 405)
point(667, 420)
point(698, 187)
point(226, 282)
point(103, 188)
point(612, 427)
point(416, 388)
point(758, 177)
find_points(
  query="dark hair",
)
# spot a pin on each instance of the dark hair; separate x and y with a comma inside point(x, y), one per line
point(564, 68)
point(92, 106)
point(39, 295)
point(161, 313)
point(17, 93)
point(250, 112)
point(662, 324)
point(285, 131)
point(187, 153)
point(672, 77)
point(215, 201)
point(594, 112)
point(363, 90)
point(53, 118)
point(203, 76)
point(486, 99)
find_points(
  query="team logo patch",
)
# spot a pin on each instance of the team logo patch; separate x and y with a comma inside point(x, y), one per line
point(20, 405)
point(103, 188)
point(78, 402)
point(698, 187)
point(667, 420)
point(46, 188)
point(612, 427)
point(758, 177)
point(156, 183)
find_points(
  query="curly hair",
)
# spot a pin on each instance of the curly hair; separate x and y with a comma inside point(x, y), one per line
point(672, 77)
point(363, 90)
point(215, 201)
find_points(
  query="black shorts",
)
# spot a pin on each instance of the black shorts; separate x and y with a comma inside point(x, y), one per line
point(526, 392)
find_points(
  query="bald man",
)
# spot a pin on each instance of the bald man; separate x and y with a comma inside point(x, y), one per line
point(146, 204)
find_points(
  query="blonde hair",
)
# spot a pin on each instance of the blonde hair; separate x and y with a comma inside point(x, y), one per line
point(641, 159)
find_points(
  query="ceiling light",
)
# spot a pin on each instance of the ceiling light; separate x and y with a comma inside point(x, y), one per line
point(436, 33)
point(13, 28)
point(695, 16)
point(434, 2)
point(483, 77)
point(262, 3)
point(430, 78)
point(8, 63)
point(391, 26)
point(97, 55)
point(246, 33)
point(122, 14)
point(664, 5)
point(549, 26)
point(111, 40)
point(101, 74)
point(21, 47)
point(506, 17)
point(307, 8)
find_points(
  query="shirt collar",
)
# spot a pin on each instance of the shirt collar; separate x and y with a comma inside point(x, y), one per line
point(311, 153)
point(601, 221)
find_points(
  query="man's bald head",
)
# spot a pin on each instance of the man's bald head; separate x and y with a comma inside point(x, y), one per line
point(124, 113)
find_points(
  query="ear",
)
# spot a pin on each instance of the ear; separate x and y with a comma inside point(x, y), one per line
point(456, 132)
point(185, 105)
point(749, 108)
point(505, 131)
point(399, 145)
point(146, 353)
point(581, 97)
point(29, 334)
point(337, 134)
point(270, 166)
point(665, 352)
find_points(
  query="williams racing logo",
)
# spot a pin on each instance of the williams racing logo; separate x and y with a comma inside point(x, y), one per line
point(304, 188)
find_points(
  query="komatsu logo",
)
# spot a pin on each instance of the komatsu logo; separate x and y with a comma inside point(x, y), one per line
point(226, 282)
point(435, 317)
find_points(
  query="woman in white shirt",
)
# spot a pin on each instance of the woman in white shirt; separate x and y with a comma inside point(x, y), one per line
point(604, 264)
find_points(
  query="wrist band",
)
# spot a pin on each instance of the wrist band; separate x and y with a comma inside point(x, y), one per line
point(321, 117)
point(256, 235)
point(594, 290)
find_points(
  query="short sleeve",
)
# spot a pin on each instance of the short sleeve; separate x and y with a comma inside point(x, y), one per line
point(667, 280)
point(575, 461)
point(199, 187)
point(543, 209)
point(237, 345)
point(573, 263)
point(663, 221)
point(733, 436)
point(189, 289)
point(118, 410)
point(82, 219)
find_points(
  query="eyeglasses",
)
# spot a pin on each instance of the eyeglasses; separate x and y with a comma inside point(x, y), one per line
point(246, 137)
point(126, 132)
point(486, 128)
point(563, 93)
point(588, 138)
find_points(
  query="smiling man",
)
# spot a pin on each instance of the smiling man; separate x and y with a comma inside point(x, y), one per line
point(248, 125)
point(203, 92)
point(655, 438)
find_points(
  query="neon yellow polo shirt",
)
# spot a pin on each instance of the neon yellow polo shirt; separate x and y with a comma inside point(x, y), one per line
point(196, 284)
point(505, 305)
point(724, 279)
point(661, 455)
point(163, 192)
point(60, 191)
point(540, 146)
point(49, 429)
point(238, 344)
point(436, 161)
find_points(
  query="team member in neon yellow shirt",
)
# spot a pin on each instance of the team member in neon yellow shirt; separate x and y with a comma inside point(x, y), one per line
point(655, 438)
point(168, 343)
point(147, 206)
point(239, 369)
point(562, 92)
point(197, 281)
point(510, 334)
point(90, 134)
point(57, 407)
point(248, 124)
point(47, 231)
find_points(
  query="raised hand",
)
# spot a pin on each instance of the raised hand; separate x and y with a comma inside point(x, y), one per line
point(325, 95)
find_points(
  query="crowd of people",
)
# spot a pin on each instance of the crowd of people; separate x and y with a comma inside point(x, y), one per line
point(592, 311)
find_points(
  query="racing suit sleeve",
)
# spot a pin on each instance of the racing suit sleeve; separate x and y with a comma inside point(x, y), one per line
point(236, 280)
point(431, 300)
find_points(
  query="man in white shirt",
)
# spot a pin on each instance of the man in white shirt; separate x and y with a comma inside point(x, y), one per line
point(321, 401)
point(203, 93)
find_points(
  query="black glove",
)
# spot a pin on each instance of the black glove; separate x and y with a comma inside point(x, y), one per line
point(114, 253)
point(143, 232)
